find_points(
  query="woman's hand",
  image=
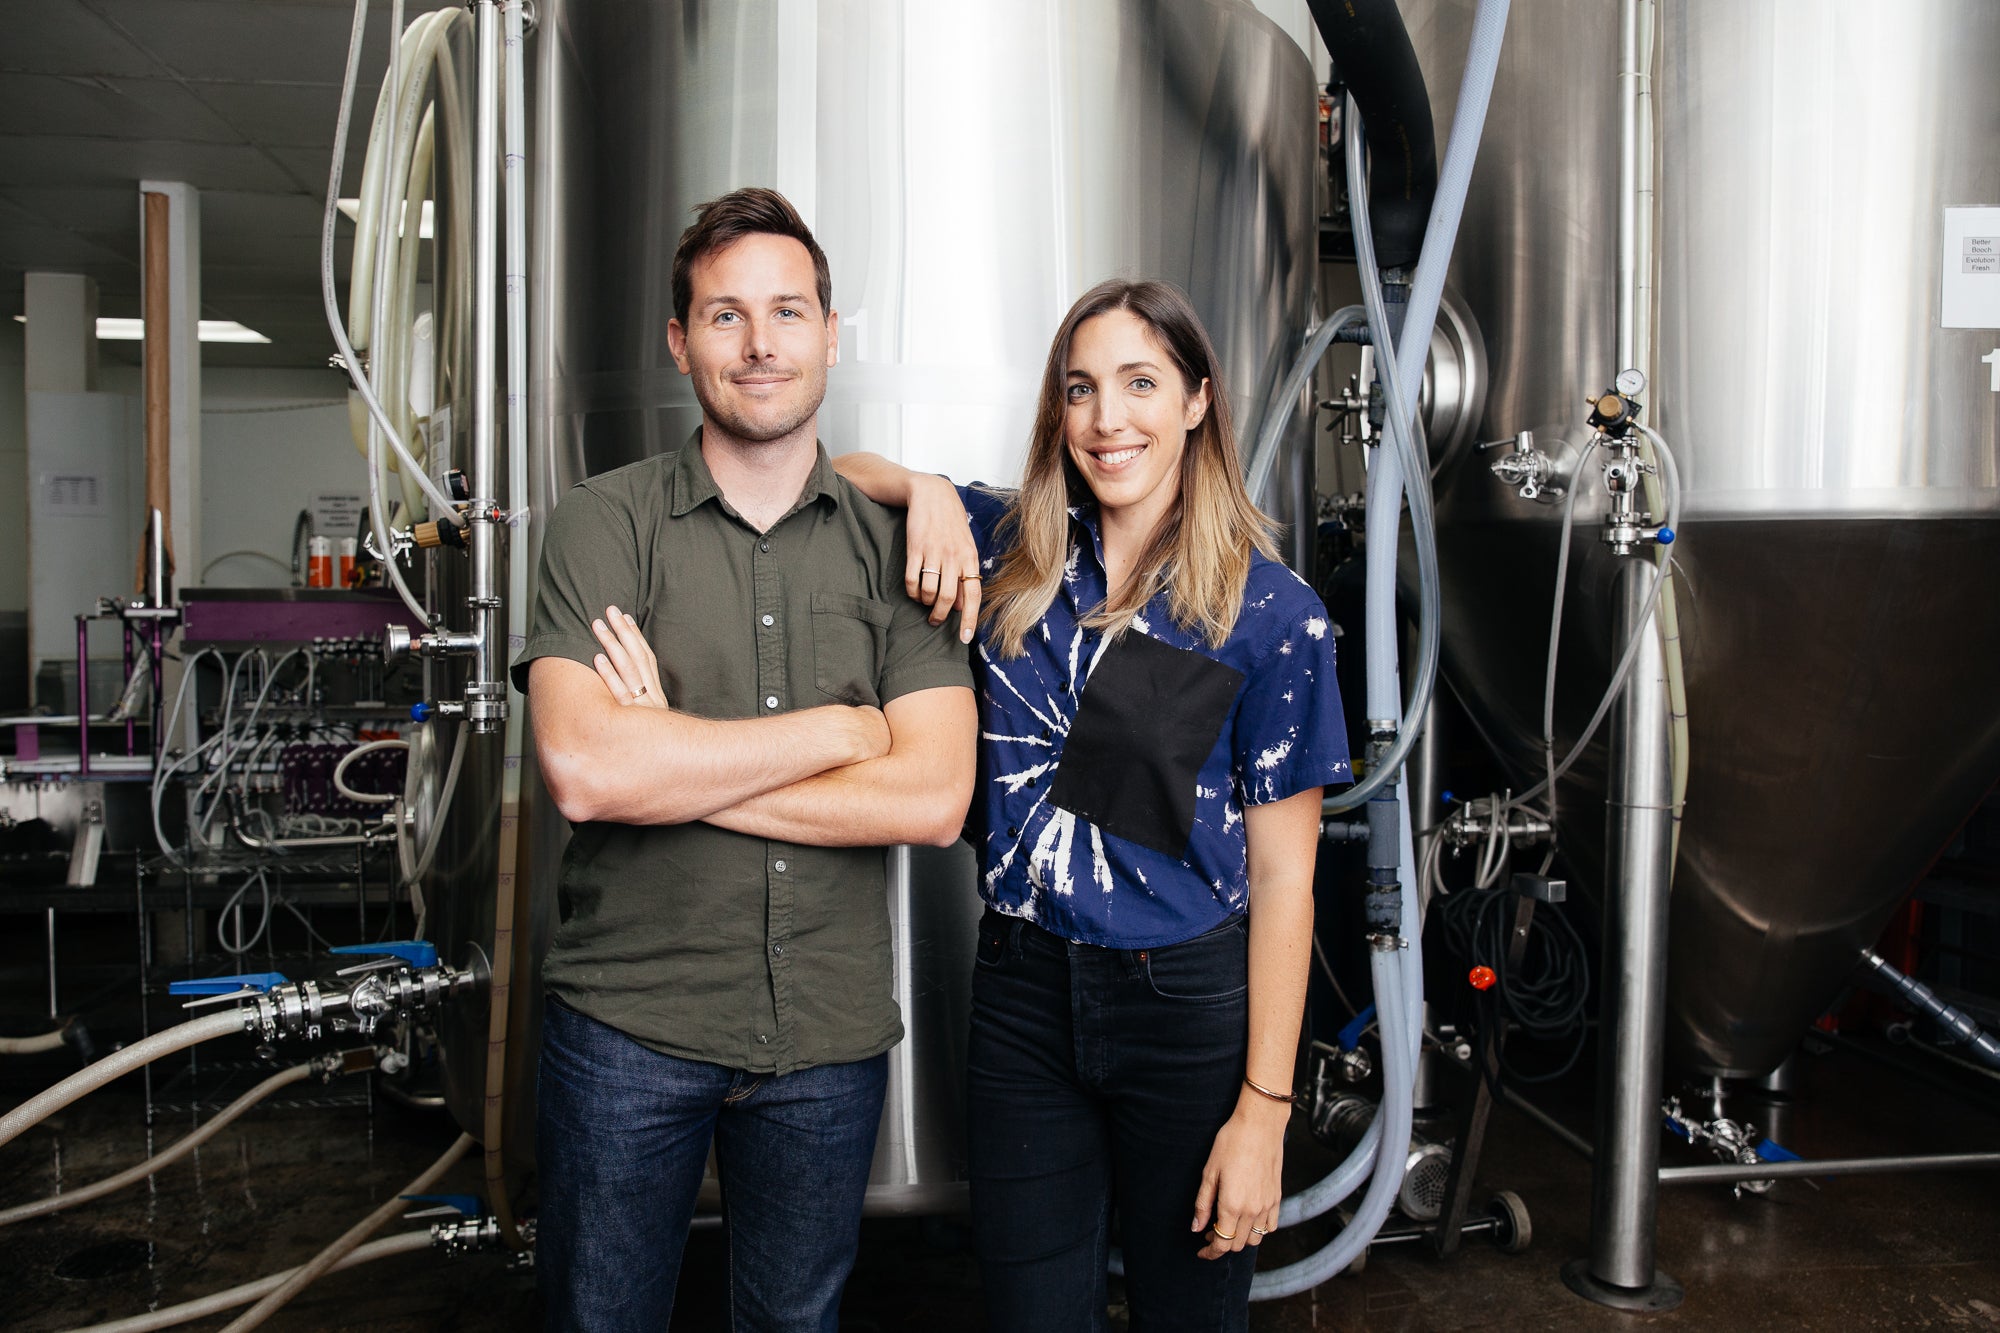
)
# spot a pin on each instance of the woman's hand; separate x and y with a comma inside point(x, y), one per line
point(1243, 1183)
point(943, 569)
point(627, 665)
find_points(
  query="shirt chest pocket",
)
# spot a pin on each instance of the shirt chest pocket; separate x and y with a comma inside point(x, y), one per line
point(849, 636)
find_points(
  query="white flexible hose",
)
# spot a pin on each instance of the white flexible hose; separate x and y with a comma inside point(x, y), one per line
point(116, 1065)
point(201, 1308)
point(323, 1262)
point(180, 1148)
point(36, 1045)
point(340, 772)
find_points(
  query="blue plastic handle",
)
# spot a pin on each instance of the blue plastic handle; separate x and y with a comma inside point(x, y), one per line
point(417, 953)
point(1773, 1151)
point(467, 1204)
point(1678, 1128)
point(1350, 1036)
point(1666, 536)
point(422, 712)
point(228, 985)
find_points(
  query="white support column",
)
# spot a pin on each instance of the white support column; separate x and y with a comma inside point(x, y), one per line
point(183, 351)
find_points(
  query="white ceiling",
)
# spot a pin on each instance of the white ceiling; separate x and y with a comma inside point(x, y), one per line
point(236, 97)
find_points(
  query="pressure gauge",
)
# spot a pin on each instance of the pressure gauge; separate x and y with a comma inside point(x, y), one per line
point(1631, 383)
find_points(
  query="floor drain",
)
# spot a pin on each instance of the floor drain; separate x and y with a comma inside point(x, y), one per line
point(107, 1260)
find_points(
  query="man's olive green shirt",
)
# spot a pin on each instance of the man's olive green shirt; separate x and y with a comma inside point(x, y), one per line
point(699, 942)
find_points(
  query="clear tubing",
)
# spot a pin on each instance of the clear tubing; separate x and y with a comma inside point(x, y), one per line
point(118, 1064)
point(1672, 478)
point(181, 1147)
point(1391, 470)
point(202, 1307)
point(323, 1262)
point(1395, 1118)
point(444, 508)
point(1264, 458)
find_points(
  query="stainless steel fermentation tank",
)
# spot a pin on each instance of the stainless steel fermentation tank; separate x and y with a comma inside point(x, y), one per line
point(1840, 545)
point(970, 170)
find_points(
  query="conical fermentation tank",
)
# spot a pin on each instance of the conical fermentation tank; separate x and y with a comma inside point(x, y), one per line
point(970, 170)
point(1839, 555)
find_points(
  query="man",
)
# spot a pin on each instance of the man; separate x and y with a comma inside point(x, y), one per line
point(722, 968)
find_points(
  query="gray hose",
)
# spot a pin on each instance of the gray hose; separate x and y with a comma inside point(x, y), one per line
point(116, 1065)
point(1264, 458)
point(323, 1262)
point(186, 1144)
point(1396, 1116)
point(1955, 1021)
point(203, 1307)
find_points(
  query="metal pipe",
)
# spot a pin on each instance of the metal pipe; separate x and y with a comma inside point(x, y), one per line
point(1724, 1173)
point(1638, 862)
point(83, 696)
point(485, 690)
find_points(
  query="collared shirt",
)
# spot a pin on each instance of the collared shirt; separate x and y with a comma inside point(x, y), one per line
point(706, 944)
point(1113, 775)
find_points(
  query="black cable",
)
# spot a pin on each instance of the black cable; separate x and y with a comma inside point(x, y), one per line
point(1545, 995)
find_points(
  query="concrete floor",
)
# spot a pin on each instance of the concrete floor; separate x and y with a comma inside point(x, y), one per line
point(1860, 1252)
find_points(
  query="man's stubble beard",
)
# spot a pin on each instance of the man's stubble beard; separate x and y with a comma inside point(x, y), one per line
point(748, 431)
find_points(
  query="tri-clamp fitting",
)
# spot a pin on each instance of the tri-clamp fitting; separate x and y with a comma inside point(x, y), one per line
point(398, 643)
point(405, 980)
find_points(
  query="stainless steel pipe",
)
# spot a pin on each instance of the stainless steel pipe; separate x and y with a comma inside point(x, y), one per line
point(485, 690)
point(1638, 862)
point(1726, 1172)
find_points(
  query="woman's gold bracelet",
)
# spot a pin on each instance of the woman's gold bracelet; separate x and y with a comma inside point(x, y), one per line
point(1255, 1086)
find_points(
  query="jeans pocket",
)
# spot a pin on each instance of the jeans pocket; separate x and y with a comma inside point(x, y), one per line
point(1209, 969)
point(992, 950)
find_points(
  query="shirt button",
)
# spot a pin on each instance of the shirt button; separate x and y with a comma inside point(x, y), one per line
point(770, 701)
point(1031, 782)
point(777, 949)
point(770, 620)
point(778, 866)
point(1013, 831)
point(763, 546)
point(763, 1040)
point(1048, 732)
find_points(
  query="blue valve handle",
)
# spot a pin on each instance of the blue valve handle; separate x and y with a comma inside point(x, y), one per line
point(467, 1204)
point(1666, 536)
point(417, 953)
point(422, 712)
point(1773, 1151)
point(262, 981)
point(1350, 1036)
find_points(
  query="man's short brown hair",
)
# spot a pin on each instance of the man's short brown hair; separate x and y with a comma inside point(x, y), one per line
point(751, 211)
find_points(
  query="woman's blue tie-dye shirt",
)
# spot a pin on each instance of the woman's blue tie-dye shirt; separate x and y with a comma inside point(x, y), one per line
point(1112, 780)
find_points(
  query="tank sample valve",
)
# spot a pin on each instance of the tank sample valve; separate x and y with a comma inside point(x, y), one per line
point(406, 979)
point(1527, 469)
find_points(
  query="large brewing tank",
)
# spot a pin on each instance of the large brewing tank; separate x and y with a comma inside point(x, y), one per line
point(970, 170)
point(1840, 547)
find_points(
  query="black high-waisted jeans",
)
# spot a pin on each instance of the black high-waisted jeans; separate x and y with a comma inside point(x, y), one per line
point(1099, 1076)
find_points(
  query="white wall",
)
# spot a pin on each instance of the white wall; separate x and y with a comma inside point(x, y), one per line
point(13, 466)
point(261, 466)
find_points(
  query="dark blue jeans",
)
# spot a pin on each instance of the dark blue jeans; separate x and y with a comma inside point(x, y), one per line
point(621, 1144)
point(1100, 1076)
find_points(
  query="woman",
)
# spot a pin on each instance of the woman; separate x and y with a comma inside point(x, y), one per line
point(1158, 715)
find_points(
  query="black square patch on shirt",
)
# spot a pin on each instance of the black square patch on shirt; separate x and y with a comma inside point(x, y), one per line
point(1145, 725)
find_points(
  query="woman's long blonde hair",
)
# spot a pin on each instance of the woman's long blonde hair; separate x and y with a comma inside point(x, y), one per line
point(1201, 551)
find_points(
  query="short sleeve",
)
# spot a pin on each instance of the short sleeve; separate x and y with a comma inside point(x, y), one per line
point(920, 655)
point(985, 506)
point(1290, 733)
point(589, 561)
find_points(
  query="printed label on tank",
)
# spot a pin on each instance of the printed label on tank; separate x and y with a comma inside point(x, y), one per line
point(1970, 296)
